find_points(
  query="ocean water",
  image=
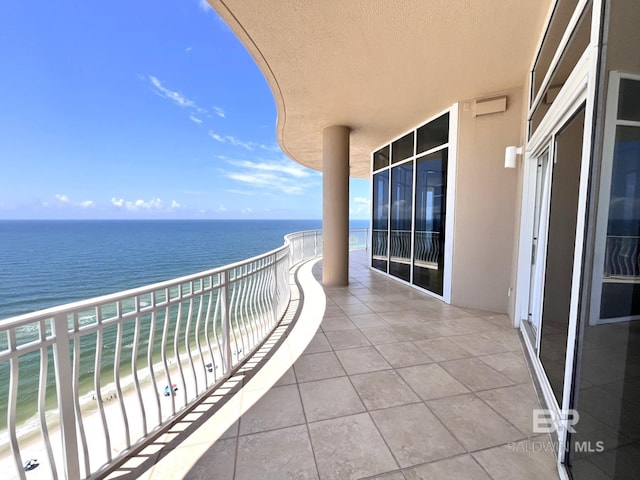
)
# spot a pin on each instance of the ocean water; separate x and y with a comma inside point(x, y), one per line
point(49, 263)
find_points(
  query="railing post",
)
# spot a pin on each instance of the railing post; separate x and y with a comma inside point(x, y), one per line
point(366, 239)
point(64, 386)
point(315, 243)
point(226, 321)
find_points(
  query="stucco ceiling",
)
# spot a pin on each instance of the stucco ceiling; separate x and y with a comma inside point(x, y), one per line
point(380, 67)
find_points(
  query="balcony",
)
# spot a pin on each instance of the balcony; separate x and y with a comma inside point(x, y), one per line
point(373, 380)
point(392, 385)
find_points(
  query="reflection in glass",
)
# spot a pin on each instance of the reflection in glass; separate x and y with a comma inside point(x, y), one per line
point(400, 246)
point(433, 134)
point(402, 148)
point(379, 248)
point(629, 105)
point(622, 254)
point(381, 158)
point(607, 439)
point(430, 214)
point(577, 44)
point(561, 236)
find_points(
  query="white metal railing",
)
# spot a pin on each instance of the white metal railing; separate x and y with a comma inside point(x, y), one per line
point(114, 370)
point(379, 244)
point(426, 246)
point(400, 246)
point(622, 257)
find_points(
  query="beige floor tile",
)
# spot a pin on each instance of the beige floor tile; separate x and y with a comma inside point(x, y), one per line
point(339, 322)
point(361, 360)
point(403, 317)
point(368, 320)
point(389, 476)
point(500, 320)
point(382, 306)
point(475, 325)
point(332, 311)
point(349, 448)
point(462, 467)
point(232, 431)
point(330, 398)
point(356, 309)
point(383, 389)
point(416, 332)
point(509, 339)
point(477, 344)
point(442, 349)
point(510, 364)
point(382, 335)
point(414, 434)
point(276, 455)
point(403, 354)
point(447, 328)
point(431, 381)
point(516, 404)
point(346, 298)
point(473, 422)
point(475, 374)
point(318, 343)
point(217, 463)
point(524, 460)
point(289, 378)
point(279, 407)
point(342, 339)
point(318, 366)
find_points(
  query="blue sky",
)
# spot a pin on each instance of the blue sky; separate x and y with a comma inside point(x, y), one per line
point(140, 109)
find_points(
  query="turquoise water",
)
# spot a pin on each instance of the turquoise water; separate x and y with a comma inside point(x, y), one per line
point(48, 263)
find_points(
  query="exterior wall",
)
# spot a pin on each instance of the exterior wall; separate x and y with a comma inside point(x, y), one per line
point(485, 206)
point(623, 36)
point(515, 248)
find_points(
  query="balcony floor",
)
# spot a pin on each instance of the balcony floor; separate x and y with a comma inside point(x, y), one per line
point(393, 385)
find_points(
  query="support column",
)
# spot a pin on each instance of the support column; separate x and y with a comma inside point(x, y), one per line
point(335, 205)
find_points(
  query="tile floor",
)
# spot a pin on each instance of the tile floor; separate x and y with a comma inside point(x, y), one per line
point(395, 385)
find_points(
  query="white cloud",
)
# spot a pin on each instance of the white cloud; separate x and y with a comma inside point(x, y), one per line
point(360, 205)
point(268, 182)
point(62, 198)
point(218, 111)
point(216, 137)
point(236, 142)
point(282, 175)
point(221, 209)
point(283, 166)
point(247, 211)
point(88, 204)
point(175, 96)
point(188, 49)
point(153, 204)
point(195, 119)
point(204, 5)
point(137, 205)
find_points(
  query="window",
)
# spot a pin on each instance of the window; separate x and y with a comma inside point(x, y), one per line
point(409, 205)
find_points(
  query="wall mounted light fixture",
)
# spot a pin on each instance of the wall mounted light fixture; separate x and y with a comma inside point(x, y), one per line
point(510, 156)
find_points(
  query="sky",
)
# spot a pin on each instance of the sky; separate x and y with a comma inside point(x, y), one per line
point(140, 109)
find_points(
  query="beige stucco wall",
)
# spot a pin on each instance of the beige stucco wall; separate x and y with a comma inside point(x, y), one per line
point(486, 206)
